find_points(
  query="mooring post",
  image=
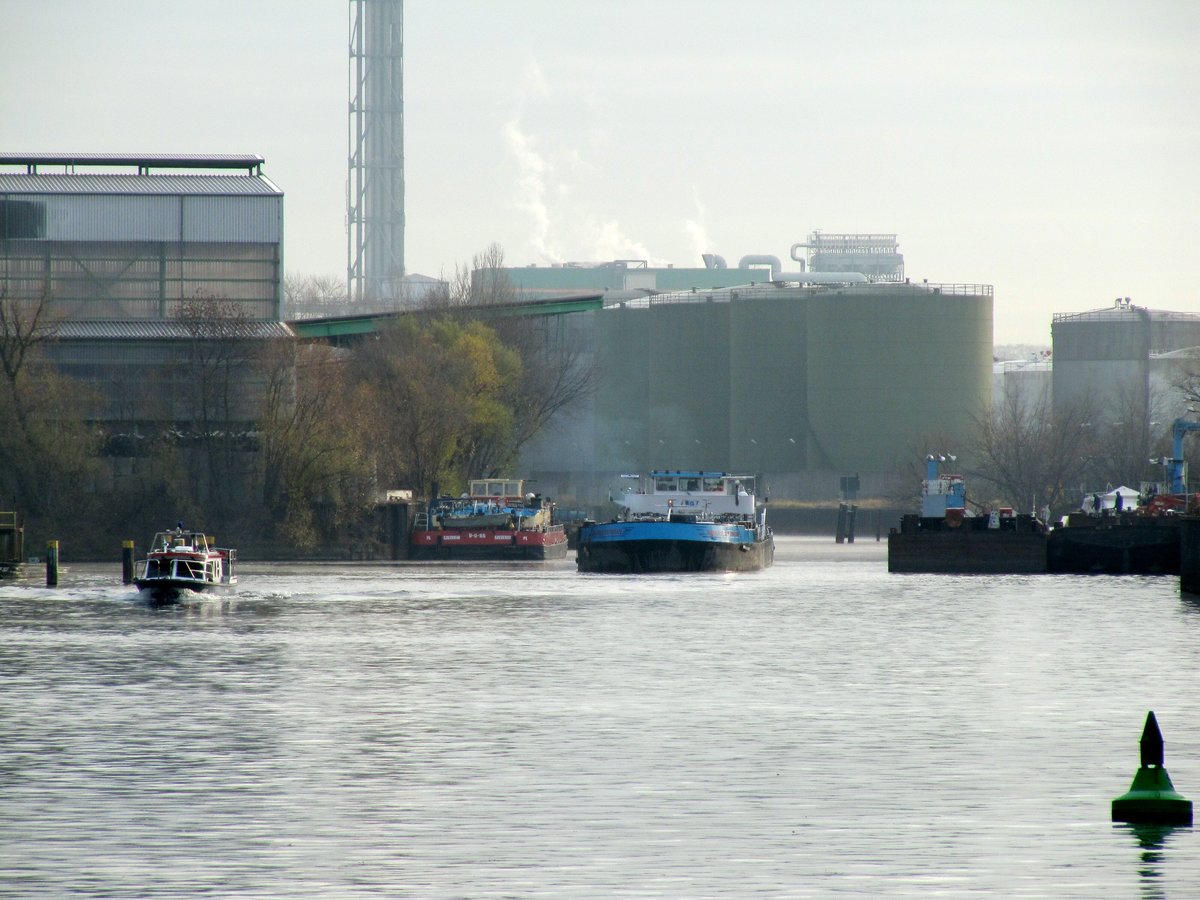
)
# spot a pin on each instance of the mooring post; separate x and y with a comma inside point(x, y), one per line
point(1151, 799)
point(840, 537)
point(52, 564)
point(850, 523)
point(127, 562)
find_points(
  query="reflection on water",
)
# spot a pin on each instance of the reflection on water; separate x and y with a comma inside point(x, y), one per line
point(1151, 841)
point(822, 728)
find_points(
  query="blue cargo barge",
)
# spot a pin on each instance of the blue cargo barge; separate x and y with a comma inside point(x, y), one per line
point(681, 521)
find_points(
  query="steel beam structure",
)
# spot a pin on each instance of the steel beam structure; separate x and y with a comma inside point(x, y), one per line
point(375, 186)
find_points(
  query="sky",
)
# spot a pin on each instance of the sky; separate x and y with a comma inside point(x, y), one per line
point(1049, 148)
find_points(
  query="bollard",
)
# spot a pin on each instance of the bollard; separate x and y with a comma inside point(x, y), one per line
point(127, 562)
point(1151, 799)
point(52, 564)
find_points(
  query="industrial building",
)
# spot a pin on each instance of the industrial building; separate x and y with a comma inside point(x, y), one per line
point(1027, 381)
point(822, 259)
point(130, 254)
point(803, 383)
point(1123, 359)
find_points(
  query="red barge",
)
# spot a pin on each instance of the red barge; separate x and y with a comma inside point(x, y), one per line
point(497, 519)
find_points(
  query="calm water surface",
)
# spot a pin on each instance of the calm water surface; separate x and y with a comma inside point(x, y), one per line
point(821, 729)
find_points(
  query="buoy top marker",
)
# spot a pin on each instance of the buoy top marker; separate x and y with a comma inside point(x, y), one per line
point(1151, 743)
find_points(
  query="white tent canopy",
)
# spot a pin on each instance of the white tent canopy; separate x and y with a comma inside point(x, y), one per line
point(1108, 499)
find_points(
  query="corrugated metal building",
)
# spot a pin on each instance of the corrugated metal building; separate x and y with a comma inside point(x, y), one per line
point(117, 245)
point(127, 250)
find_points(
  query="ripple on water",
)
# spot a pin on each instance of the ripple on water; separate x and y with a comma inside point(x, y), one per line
point(820, 728)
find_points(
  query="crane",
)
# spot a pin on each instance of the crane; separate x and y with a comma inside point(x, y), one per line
point(1176, 469)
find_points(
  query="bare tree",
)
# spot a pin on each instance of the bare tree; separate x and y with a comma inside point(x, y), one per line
point(46, 448)
point(305, 296)
point(25, 327)
point(1031, 453)
point(312, 450)
point(1123, 439)
point(216, 405)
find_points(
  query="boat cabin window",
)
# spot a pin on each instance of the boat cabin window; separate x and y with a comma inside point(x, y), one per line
point(190, 568)
point(666, 483)
point(713, 484)
point(495, 487)
point(691, 484)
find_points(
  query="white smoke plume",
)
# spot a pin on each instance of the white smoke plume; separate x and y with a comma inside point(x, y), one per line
point(609, 241)
point(559, 229)
point(531, 188)
point(696, 230)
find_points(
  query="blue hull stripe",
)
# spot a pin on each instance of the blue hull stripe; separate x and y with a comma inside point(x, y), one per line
point(699, 532)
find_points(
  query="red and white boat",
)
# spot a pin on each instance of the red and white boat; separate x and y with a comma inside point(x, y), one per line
point(496, 519)
point(180, 561)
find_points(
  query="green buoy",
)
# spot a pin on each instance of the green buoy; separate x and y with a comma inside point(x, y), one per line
point(1151, 799)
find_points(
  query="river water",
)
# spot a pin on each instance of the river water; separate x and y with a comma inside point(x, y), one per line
point(820, 729)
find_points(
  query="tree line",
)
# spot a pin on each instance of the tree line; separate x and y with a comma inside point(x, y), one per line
point(282, 443)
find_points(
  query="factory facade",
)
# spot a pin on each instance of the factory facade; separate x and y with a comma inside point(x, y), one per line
point(140, 264)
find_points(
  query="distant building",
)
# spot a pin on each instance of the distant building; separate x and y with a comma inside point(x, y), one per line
point(1028, 381)
point(126, 251)
point(1113, 357)
point(829, 259)
point(877, 256)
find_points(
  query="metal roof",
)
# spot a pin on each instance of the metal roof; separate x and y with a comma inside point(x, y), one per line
point(142, 161)
point(1127, 312)
point(368, 323)
point(757, 290)
point(206, 185)
point(164, 329)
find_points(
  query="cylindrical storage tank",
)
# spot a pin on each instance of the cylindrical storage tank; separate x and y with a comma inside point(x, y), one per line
point(893, 367)
point(768, 381)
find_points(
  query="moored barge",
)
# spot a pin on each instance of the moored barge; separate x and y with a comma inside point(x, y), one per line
point(946, 539)
point(496, 519)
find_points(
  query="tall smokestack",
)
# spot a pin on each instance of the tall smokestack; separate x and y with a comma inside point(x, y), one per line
point(375, 187)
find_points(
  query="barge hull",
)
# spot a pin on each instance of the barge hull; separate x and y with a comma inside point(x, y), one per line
point(1151, 547)
point(651, 556)
point(967, 552)
point(488, 544)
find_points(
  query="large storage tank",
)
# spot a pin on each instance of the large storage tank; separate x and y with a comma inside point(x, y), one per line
point(768, 372)
point(792, 380)
point(892, 368)
point(1103, 357)
point(665, 397)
